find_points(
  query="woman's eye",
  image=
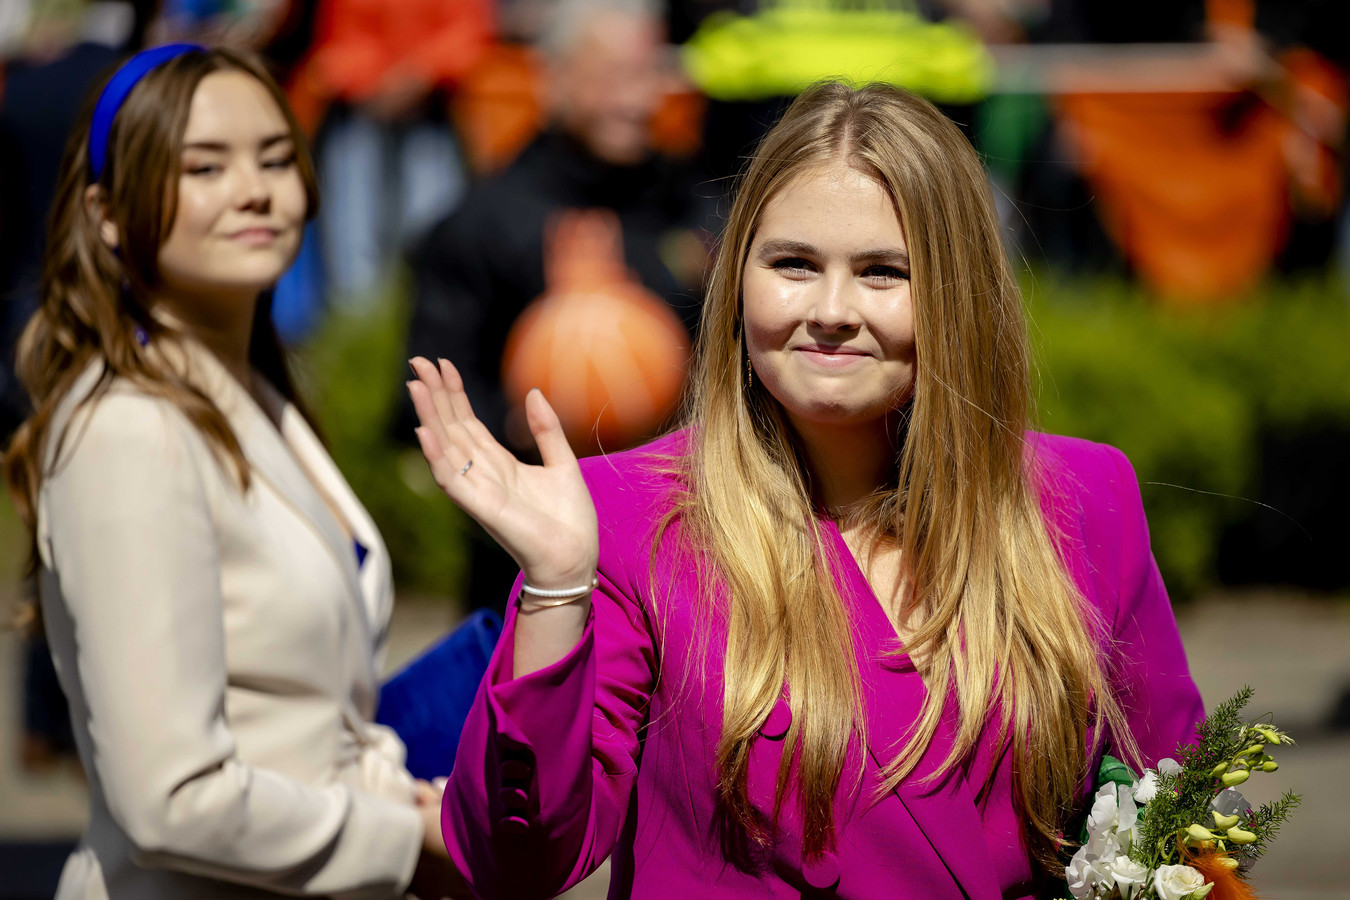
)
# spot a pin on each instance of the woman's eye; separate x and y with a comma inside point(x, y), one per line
point(885, 273)
point(202, 169)
point(793, 264)
point(284, 162)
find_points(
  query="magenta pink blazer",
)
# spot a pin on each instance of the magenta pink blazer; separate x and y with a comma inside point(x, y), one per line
point(595, 756)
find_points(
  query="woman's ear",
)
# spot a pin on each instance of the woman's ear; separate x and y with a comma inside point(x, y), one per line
point(97, 209)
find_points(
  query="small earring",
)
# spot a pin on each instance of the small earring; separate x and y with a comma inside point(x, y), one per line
point(749, 373)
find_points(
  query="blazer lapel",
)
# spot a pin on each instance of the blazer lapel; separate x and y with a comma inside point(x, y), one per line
point(893, 696)
point(374, 575)
point(271, 459)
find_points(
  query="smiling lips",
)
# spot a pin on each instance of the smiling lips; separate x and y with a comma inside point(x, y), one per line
point(256, 237)
point(830, 356)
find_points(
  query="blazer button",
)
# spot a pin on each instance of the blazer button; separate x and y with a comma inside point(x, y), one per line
point(775, 727)
point(514, 799)
point(822, 872)
point(514, 825)
point(516, 770)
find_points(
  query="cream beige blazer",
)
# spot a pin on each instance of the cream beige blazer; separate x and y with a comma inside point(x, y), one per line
point(219, 649)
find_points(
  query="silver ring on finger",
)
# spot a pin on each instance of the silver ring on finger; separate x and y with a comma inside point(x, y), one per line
point(467, 466)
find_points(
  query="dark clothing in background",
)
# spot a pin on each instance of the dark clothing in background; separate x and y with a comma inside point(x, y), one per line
point(1320, 25)
point(37, 113)
point(483, 264)
point(1141, 22)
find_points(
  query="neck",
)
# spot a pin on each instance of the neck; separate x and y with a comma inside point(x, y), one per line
point(848, 462)
point(225, 327)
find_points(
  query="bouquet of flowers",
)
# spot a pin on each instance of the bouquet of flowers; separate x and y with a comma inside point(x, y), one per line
point(1182, 831)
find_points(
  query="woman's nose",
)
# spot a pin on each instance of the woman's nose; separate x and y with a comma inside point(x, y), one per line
point(252, 190)
point(833, 308)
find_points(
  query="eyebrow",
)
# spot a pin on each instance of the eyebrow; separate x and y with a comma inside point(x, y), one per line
point(893, 255)
point(221, 147)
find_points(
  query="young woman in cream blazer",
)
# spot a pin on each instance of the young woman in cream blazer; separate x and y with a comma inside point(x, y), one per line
point(215, 595)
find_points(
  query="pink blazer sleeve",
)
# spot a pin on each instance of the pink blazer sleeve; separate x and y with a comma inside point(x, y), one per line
point(546, 764)
point(1149, 669)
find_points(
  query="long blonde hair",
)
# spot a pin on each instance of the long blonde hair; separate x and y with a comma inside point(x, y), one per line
point(1004, 629)
point(95, 301)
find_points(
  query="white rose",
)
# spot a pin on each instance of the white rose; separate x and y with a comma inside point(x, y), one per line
point(1176, 882)
point(1129, 876)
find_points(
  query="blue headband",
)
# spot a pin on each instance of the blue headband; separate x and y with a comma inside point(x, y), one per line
point(115, 94)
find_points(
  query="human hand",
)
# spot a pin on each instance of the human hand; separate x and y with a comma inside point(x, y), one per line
point(542, 515)
point(433, 844)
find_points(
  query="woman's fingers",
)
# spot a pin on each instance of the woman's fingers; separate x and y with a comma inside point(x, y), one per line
point(427, 413)
point(429, 374)
point(554, 450)
point(451, 443)
point(454, 389)
point(458, 400)
point(446, 388)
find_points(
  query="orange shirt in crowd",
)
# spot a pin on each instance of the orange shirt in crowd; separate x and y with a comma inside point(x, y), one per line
point(359, 43)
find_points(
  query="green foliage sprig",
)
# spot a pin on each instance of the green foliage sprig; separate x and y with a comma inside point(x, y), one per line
point(1227, 752)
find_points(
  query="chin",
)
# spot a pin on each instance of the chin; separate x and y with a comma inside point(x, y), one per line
point(838, 415)
point(261, 271)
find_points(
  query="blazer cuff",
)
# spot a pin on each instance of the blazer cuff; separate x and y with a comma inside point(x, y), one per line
point(541, 739)
point(387, 837)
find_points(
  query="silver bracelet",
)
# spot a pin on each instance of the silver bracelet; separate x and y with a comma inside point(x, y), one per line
point(558, 596)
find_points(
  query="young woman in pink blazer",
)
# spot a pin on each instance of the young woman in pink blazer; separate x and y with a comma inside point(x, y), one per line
point(854, 630)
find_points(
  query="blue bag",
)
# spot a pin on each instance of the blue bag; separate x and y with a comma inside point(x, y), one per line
point(428, 700)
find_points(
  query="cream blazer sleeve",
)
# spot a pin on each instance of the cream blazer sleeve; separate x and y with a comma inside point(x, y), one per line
point(132, 541)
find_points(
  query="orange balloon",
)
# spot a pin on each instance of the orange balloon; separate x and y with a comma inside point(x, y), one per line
point(609, 355)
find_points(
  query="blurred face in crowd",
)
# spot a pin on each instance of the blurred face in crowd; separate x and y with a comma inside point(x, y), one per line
point(605, 88)
point(829, 318)
point(241, 200)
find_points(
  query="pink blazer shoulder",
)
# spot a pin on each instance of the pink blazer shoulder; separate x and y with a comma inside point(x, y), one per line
point(611, 751)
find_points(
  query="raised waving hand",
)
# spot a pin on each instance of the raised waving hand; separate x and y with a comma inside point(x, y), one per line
point(542, 515)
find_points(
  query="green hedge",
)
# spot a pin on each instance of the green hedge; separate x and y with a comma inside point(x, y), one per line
point(352, 372)
point(1185, 393)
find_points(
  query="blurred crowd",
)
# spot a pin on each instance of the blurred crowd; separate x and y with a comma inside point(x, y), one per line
point(1194, 145)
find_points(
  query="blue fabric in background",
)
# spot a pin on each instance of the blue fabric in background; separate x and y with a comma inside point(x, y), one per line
point(428, 700)
point(297, 300)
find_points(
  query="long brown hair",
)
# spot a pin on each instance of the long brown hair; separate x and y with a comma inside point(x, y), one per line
point(95, 301)
point(1005, 633)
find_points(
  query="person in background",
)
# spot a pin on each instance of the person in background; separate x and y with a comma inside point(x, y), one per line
point(215, 596)
point(605, 70)
point(387, 156)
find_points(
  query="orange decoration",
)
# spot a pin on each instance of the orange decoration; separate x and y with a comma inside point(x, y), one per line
point(499, 108)
point(1199, 211)
point(1227, 884)
point(609, 355)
